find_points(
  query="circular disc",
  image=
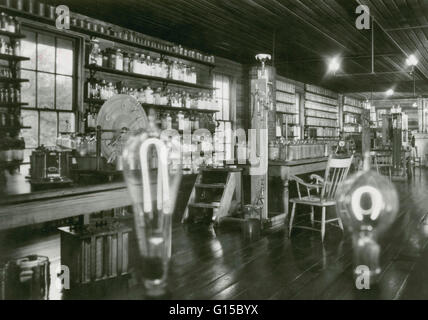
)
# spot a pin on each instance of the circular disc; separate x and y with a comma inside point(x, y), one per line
point(119, 111)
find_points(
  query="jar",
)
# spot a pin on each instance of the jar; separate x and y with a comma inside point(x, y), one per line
point(133, 67)
point(17, 48)
point(273, 151)
point(119, 60)
point(95, 49)
point(105, 59)
point(148, 93)
point(11, 25)
point(126, 62)
point(157, 96)
point(167, 122)
point(111, 58)
point(180, 120)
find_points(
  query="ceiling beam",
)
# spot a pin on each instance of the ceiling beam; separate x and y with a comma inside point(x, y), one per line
point(378, 86)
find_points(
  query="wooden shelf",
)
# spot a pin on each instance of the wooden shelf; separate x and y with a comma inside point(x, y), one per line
point(350, 112)
point(157, 106)
point(285, 102)
point(13, 128)
point(283, 91)
point(322, 103)
point(145, 77)
point(320, 126)
point(12, 80)
point(46, 20)
point(333, 112)
point(317, 117)
point(286, 112)
point(11, 57)
point(320, 94)
point(12, 35)
point(13, 104)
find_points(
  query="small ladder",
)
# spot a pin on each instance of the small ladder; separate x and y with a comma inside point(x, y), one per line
point(216, 189)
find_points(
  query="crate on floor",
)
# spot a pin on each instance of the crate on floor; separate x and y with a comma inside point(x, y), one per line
point(95, 254)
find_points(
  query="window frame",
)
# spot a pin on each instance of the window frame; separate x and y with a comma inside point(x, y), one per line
point(76, 45)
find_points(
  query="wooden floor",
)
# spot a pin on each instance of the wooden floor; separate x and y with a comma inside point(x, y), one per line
point(221, 264)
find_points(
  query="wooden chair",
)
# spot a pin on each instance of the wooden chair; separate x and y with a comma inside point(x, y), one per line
point(336, 172)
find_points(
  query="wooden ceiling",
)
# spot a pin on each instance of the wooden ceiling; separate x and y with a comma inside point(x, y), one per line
point(301, 35)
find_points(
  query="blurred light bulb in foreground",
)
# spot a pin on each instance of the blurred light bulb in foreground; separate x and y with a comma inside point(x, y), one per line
point(367, 204)
point(152, 224)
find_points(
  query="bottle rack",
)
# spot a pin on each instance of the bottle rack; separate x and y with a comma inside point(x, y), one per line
point(10, 110)
point(287, 112)
point(352, 110)
point(321, 111)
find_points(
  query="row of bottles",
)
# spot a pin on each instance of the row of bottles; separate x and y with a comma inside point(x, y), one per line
point(286, 150)
point(11, 149)
point(114, 58)
point(184, 121)
point(9, 23)
point(12, 47)
point(84, 144)
point(100, 89)
point(10, 120)
point(10, 94)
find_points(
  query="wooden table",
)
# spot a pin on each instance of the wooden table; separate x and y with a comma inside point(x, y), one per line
point(20, 206)
point(283, 170)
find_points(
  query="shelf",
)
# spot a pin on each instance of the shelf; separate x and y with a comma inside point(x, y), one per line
point(286, 112)
point(350, 112)
point(13, 104)
point(333, 112)
point(323, 103)
point(317, 117)
point(285, 102)
point(11, 57)
point(320, 94)
point(351, 124)
point(46, 20)
point(13, 128)
point(283, 91)
point(319, 126)
point(157, 106)
point(150, 78)
point(12, 35)
point(12, 80)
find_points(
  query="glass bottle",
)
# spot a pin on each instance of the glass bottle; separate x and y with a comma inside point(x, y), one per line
point(164, 69)
point(119, 60)
point(157, 96)
point(126, 61)
point(105, 60)
point(93, 55)
point(149, 95)
point(112, 59)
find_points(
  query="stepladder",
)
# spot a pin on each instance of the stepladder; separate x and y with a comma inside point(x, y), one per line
point(217, 193)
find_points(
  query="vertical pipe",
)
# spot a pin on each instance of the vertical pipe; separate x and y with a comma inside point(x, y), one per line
point(372, 46)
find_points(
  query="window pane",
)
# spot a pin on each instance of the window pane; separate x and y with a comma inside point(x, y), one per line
point(28, 89)
point(226, 109)
point(66, 122)
point(64, 91)
point(64, 57)
point(28, 49)
point(45, 90)
point(30, 119)
point(226, 86)
point(48, 126)
point(46, 53)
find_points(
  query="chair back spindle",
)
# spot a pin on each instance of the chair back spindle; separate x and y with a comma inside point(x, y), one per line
point(336, 172)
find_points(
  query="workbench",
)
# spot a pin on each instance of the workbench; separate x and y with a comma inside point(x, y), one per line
point(283, 170)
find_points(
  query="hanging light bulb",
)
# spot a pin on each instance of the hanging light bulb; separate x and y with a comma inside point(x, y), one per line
point(412, 61)
point(367, 204)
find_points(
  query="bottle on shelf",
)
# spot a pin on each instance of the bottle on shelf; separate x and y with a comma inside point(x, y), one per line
point(119, 60)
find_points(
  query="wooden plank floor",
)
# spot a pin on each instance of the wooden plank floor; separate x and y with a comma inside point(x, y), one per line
point(221, 264)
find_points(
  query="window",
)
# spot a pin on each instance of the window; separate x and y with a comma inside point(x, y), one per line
point(223, 134)
point(50, 90)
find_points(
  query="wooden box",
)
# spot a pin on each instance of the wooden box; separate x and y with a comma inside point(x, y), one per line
point(95, 255)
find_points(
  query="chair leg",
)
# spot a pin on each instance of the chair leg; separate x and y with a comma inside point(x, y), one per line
point(290, 227)
point(340, 223)
point(312, 215)
point(323, 224)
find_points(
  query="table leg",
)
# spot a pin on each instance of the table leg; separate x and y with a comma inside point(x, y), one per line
point(285, 196)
